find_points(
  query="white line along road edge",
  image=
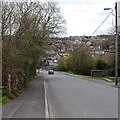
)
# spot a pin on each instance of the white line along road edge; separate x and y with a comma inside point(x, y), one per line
point(46, 101)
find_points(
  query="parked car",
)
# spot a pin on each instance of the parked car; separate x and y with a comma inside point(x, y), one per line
point(51, 72)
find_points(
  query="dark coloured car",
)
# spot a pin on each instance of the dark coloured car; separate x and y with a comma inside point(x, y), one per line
point(51, 72)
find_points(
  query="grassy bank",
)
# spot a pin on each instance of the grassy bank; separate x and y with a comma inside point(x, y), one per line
point(108, 79)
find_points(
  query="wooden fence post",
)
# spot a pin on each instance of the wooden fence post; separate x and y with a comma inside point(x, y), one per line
point(9, 83)
point(16, 84)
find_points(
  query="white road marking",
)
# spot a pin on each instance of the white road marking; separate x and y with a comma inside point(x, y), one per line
point(46, 101)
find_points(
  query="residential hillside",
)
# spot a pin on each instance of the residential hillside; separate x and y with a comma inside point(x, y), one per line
point(98, 45)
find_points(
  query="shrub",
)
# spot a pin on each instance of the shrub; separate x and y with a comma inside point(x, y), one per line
point(101, 64)
point(8, 94)
point(4, 100)
point(61, 66)
point(68, 63)
point(83, 62)
point(80, 62)
point(109, 58)
point(16, 93)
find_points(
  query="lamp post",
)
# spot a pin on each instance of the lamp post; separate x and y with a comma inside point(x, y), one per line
point(116, 44)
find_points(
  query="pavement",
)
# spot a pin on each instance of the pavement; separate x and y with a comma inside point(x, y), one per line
point(30, 105)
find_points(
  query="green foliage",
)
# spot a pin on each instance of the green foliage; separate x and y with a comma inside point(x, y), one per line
point(4, 100)
point(101, 64)
point(68, 63)
point(36, 73)
point(25, 46)
point(61, 66)
point(16, 93)
point(83, 61)
point(8, 94)
point(79, 62)
point(109, 58)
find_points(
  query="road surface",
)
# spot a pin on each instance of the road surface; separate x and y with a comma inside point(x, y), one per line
point(67, 96)
point(72, 97)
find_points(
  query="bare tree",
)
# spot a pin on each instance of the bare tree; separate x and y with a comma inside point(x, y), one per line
point(26, 30)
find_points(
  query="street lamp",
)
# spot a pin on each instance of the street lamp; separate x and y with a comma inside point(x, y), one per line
point(112, 13)
point(116, 44)
point(107, 8)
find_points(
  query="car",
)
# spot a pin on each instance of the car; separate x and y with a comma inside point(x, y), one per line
point(51, 72)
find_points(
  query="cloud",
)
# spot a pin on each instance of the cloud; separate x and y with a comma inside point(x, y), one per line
point(82, 2)
point(84, 16)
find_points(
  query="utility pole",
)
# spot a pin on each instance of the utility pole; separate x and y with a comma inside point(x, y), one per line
point(116, 46)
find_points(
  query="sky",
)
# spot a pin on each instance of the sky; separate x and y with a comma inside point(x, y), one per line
point(84, 16)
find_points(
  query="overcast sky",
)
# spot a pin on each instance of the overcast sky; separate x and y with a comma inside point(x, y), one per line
point(84, 16)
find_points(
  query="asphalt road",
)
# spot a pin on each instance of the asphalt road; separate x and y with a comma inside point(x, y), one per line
point(29, 105)
point(68, 96)
point(72, 97)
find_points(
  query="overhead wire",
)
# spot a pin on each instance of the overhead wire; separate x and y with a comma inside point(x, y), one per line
point(102, 22)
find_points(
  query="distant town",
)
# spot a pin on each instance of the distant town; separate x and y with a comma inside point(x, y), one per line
point(62, 47)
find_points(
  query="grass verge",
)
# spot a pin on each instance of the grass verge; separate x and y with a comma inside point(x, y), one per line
point(111, 79)
point(85, 76)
